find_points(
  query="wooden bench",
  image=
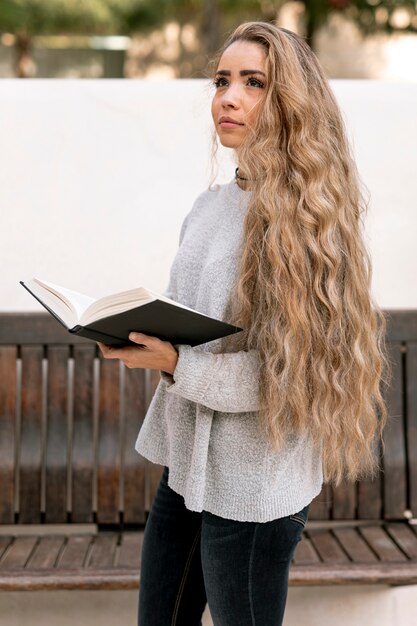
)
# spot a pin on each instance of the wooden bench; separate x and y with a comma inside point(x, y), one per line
point(75, 494)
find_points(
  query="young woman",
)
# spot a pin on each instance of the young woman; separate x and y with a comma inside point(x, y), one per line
point(249, 427)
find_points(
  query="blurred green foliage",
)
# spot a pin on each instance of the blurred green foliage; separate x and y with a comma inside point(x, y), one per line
point(371, 16)
point(65, 16)
point(126, 16)
point(212, 19)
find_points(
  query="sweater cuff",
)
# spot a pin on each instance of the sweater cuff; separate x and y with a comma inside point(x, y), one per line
point(192, 374)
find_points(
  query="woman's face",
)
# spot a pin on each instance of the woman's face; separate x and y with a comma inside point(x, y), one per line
point(240, 82)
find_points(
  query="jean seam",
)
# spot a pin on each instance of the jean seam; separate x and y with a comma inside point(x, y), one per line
point(298, 519)
point(184, 577)
point(251, 557)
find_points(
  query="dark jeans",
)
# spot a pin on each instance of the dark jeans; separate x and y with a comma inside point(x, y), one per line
point(239, 568)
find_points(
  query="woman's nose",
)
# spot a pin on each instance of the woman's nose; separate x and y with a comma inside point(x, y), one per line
point(231, 97)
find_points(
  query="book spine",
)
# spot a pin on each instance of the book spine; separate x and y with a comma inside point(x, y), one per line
point(110, 340)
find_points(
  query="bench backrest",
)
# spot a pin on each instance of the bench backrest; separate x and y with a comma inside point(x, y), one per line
point(69, 420)
point(392, 495)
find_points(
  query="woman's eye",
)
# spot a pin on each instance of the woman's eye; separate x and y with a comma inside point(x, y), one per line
point(251, 81)
point(254, 82)
point(220, 82)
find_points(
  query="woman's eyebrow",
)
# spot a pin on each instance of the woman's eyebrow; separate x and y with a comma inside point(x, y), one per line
point(242, 72)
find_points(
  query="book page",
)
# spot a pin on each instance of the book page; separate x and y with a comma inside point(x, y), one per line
point(115, 303)
point(53, 302)
point(78, 302)
point(123, 301)
point(76, 308)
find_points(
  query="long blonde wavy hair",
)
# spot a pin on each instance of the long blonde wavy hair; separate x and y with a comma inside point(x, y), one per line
point(304, 279)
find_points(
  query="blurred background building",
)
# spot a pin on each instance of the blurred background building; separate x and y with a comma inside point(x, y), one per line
point(176, 38)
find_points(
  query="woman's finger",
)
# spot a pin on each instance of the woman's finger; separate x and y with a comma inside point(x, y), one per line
point(109, 352)
point(102, 346)
point(146, 340)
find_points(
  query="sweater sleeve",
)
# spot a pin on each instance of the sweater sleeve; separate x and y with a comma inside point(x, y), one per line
point(226, 382)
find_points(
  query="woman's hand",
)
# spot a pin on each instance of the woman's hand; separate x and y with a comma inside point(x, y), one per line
point(153, 354)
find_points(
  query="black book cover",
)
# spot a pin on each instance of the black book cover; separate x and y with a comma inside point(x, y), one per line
point(158, 318)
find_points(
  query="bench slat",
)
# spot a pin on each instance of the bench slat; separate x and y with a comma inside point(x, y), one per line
point(411, 435)
point(74, 553)
point(134, 465)
point(5, 542)
point(8, 357)
point(46, 552)
point(373, 494)
point(405, 538)
point(394, 462)
point(130, 550)
point(153, 470)
point(370, 504)
point(344, 501)
point(18, 552)
point(326, 546)
point(82, 445)
point(103, 550)
point(382, 544)
point(108, 486)
point(57, 435)
point(31, 435)
point(357, 549)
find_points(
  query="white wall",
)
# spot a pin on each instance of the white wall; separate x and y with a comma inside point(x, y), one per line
point(97, 176)
point(344, 605)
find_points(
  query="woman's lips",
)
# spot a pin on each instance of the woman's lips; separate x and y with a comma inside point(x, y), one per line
point(227, 124)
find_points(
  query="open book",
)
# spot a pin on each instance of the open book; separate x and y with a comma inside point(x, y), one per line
point(112, 318)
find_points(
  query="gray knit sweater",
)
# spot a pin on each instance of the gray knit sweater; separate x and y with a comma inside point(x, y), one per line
point(202, 421)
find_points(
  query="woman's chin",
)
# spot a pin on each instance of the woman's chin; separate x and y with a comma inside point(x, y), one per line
point(230, 142)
